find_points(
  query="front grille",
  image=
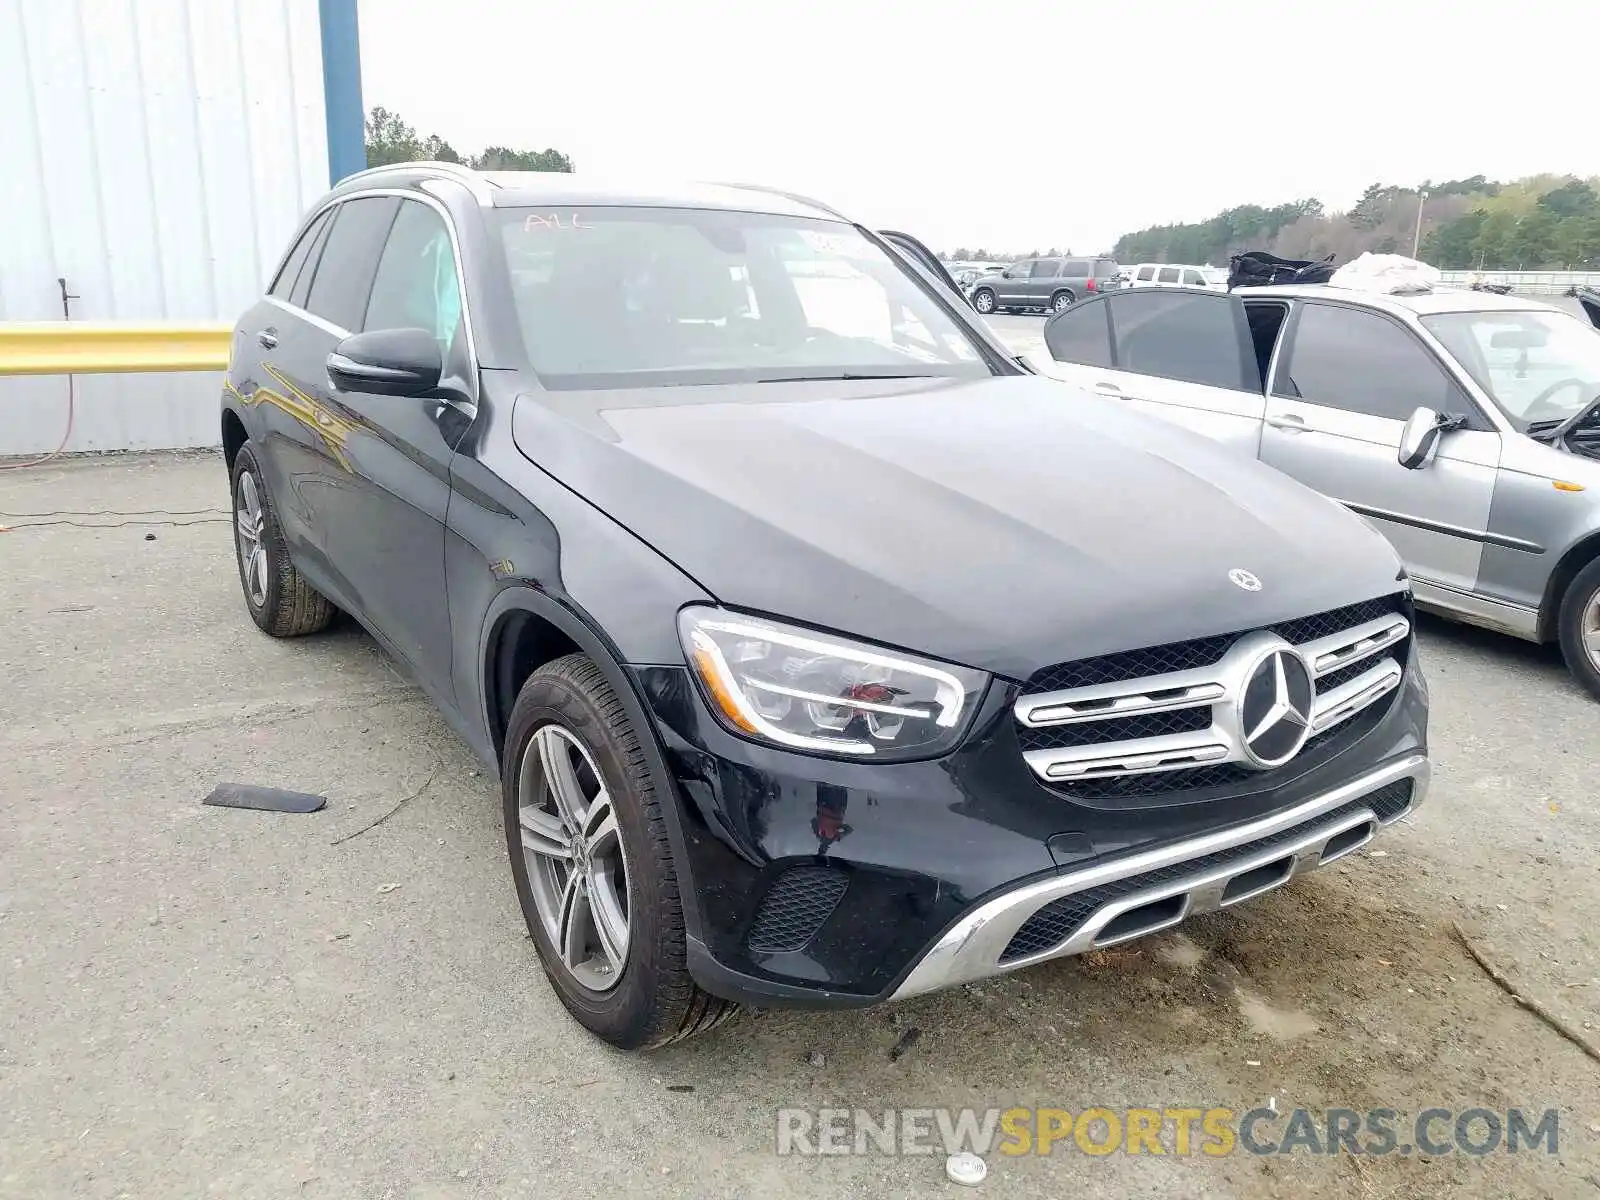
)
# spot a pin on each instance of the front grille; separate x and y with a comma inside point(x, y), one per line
point(1118, 729)
point(795, 907)
point(1200, 652)
point(1143, 723)
point(1060, 919)
point(1130, 664)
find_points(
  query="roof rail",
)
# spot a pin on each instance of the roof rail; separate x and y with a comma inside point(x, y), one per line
point(464, 175)
point(794, 196)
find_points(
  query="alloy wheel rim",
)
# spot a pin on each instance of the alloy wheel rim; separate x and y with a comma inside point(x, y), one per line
point(1590, 630)
point(985, 302)
point(577, 866)
point(249, 522)
point(1061, 303)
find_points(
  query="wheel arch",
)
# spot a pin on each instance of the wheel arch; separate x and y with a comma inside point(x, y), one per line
point(525, 628)
point(1573, 560)
point(234, 435)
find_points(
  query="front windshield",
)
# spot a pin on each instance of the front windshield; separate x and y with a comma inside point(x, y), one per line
point(637, 297)
point(1539, 365)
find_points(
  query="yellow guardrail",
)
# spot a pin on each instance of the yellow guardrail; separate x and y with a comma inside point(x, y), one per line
point(96, 347)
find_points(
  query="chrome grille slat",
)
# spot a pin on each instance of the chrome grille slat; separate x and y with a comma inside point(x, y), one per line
point(1059, 724)
point(1329, 654)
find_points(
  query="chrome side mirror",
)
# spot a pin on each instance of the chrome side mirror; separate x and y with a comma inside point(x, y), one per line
point(1419, 438)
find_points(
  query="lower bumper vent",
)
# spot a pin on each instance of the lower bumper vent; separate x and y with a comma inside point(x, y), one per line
point(1059, 920)
point(795, 907)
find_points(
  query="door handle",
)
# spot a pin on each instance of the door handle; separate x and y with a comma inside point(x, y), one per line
point(1105, 385)
point(267, 338)
point(1289, 422)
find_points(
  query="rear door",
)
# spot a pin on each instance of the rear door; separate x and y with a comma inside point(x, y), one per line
point(1183, 355)
point(288, 445)
point(1345, 382)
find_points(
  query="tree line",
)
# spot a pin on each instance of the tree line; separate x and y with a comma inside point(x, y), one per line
point(1540, 222)
point(391, 140)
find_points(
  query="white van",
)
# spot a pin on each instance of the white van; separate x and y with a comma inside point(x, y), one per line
point(1177, 275)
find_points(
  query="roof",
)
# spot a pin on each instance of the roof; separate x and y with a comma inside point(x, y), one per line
point(1440, 300)
point(528, 189)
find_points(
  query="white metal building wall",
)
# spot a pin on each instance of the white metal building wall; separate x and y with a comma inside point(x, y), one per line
point(157, 154)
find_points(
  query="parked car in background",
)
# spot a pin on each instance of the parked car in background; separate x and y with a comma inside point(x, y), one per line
point(1176, 275)
point(1464, 425)
point(818, 652)
point(1043, 283)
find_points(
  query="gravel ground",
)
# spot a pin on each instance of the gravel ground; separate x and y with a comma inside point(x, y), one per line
point(199, 1001)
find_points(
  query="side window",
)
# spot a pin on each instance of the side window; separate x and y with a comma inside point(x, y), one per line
point(302, 285)
point(283, 286)
point(344, 273)
point(1146, 274)
point(1167, 275)
point(1081, 334)
point(1046, 268)
point(1075, 268)
point(1183, 336)
point(1194, 279)
point(415, 286)
point(1363, 363)
point(1020, 270)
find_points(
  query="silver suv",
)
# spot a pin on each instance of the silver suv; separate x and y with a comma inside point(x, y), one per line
point(1464, 425)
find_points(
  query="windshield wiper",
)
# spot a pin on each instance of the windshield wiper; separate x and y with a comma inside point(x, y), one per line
point(1554, 431)
point(834, 375)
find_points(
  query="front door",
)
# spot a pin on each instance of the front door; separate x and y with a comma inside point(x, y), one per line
point(1346, 381)
point(388, 537)
point(1012, 286)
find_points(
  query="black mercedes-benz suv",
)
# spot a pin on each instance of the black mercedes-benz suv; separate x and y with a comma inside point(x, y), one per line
point(825, 654)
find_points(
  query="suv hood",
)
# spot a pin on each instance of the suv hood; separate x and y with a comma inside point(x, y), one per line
point(1005, 524)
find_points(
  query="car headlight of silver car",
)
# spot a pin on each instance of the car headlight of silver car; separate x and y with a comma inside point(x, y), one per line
point(817, 692)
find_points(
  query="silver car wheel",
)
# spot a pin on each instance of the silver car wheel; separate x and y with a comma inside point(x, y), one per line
point(577, 866)
point(1589, 629)
point(250, 524)
point(983, 302)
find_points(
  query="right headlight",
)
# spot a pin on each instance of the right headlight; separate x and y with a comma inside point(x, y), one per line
point(817, 692)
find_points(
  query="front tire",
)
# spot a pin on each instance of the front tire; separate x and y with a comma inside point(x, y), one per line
point(1579, 627)
point(280, 601)
point(592, 863)
point(983, 301)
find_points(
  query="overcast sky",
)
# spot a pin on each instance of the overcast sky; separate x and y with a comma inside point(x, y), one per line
point(1006, 124)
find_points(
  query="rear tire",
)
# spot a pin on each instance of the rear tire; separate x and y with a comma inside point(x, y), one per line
point(1060, 301)
point(592, 863)
point(1578, 626)
point(280, 601)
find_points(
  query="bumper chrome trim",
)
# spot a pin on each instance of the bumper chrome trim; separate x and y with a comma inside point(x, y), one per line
point(971, 949)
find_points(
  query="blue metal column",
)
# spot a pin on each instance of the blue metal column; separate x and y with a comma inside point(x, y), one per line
point(341, 89)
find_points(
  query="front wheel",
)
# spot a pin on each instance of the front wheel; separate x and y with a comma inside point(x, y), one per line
point(983, 301)
point(1579, 627)
point(592, 863)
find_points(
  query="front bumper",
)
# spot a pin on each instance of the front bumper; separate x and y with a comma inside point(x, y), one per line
point(818, 882)
point(1101, 906)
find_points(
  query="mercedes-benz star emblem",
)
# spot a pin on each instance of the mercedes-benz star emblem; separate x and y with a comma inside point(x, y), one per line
point(1275, 708)
point(1244, 579)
